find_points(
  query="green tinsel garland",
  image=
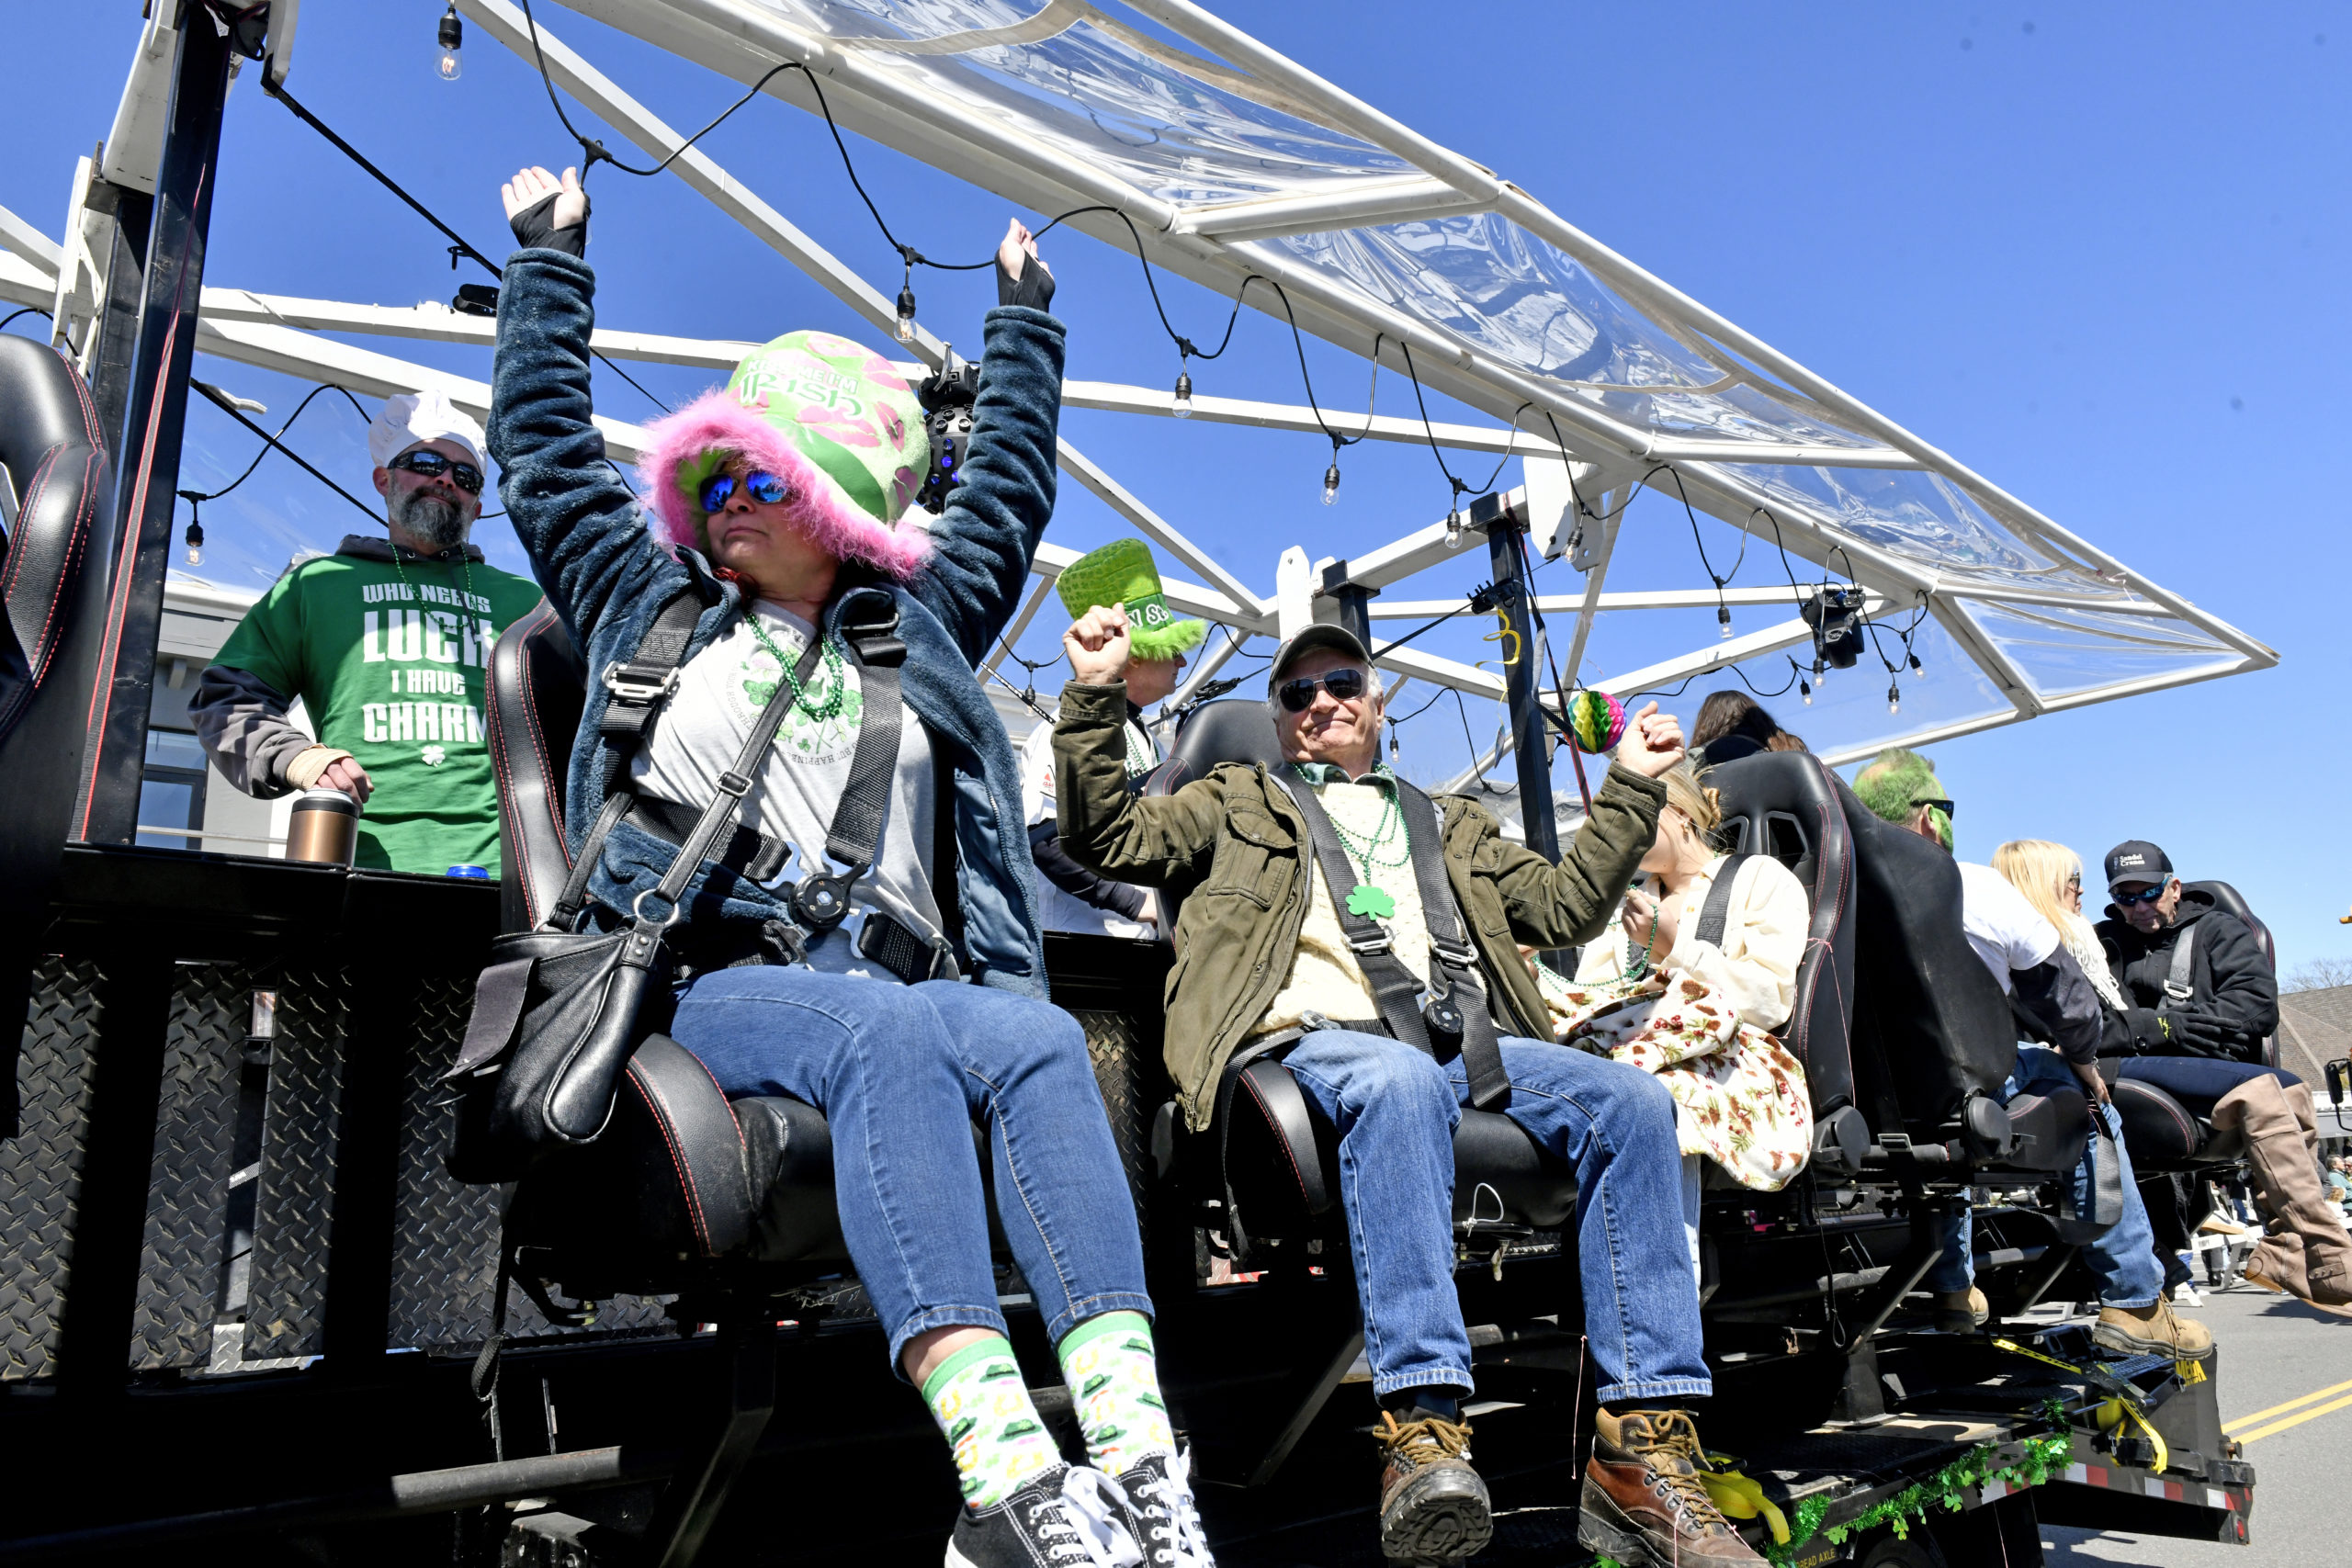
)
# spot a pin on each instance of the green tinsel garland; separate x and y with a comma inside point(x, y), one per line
point(2042, 1455)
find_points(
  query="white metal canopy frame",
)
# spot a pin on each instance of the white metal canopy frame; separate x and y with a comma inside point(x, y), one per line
point(1228, 160)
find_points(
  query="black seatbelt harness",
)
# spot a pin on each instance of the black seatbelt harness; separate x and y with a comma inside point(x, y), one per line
point(1453, 1020)
point(1716, 913)
point(819, 903)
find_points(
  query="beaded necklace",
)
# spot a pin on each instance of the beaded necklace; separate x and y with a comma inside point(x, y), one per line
point(831, 705)
point(1366, 898)
point(464, 562)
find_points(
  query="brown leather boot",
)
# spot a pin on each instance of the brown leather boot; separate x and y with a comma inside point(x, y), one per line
point(2282, 1145)
point(1433, 1506)
point(1643, 1502)
point(2152, 1331)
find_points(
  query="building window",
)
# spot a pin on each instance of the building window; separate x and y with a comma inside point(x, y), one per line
point(171, 791)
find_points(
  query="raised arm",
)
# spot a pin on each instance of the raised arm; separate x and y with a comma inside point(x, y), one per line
point(588, 542)
point(1569, 904)
point(996, 515)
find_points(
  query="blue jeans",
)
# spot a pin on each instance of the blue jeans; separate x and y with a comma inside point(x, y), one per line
point(901, 1073)
point(1395, 1109)
point(2123, 1257)
point(2198, 1081)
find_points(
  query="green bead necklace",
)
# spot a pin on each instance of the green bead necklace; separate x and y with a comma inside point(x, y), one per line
point(1366, 898)
point(465, 563)
point(831, 705)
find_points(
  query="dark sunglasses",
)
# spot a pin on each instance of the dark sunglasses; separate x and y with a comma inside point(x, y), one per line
point(1943, 805)
point(1344, 685)
point(2145, 895)
point(432, 466)
point(759, 484)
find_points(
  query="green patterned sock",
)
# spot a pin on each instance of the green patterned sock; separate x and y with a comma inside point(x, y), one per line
point(980, 1402)
point(1115, 1382)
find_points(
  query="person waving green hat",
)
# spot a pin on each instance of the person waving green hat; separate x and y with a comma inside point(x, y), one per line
point(1122, 573)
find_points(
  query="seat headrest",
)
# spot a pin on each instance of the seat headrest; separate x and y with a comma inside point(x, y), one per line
point(1774, 803)
point(2229, 900)
point(1234, 730)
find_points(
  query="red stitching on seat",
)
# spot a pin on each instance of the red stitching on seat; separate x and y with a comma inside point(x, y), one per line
point(661, 1119)
point(1296, 1175)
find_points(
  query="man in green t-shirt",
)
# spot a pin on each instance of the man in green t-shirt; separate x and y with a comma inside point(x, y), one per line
point(387, 643)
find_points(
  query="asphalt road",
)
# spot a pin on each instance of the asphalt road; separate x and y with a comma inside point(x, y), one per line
point(2286, 1394)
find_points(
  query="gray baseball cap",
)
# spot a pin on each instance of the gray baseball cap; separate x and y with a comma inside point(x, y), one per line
point(1320, 633)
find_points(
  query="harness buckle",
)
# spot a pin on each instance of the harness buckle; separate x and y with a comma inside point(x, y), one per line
point(1375, 942)
point(637, 684)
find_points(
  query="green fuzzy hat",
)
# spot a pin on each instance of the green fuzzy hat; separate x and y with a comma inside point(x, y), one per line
point(1122, 573)
point(1895, 782)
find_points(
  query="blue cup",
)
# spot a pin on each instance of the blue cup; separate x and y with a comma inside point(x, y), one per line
point(481, 870)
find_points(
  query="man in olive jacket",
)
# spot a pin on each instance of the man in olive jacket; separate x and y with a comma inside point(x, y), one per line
point(1260, 953)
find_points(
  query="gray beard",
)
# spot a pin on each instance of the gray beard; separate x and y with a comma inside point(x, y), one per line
point(435, 519)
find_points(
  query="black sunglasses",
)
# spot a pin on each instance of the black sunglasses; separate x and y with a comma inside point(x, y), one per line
point(1345, 684)
point(432, 466)
point(2146, 895)
point(759, 484)
point(1943, 805)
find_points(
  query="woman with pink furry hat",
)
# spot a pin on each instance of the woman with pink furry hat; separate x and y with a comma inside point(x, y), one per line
point(869, 947)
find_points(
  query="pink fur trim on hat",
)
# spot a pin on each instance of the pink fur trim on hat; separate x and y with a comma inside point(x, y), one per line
point(715, 421)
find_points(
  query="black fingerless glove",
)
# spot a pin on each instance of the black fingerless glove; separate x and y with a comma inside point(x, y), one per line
point(533, 228)
point(1034, 287)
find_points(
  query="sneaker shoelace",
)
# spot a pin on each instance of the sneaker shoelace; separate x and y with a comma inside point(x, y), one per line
point(1425, 1441)
point(1672, 1453)
point(1083, 1525)
point(1170, 1499)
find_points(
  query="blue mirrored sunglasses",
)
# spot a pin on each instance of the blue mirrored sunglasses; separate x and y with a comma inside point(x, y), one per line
point(2146, 895)
point(759, 484)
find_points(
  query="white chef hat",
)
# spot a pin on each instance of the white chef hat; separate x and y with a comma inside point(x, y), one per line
point(411, 417)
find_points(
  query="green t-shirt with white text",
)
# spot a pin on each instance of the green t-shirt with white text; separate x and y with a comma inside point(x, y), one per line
point(392, 660)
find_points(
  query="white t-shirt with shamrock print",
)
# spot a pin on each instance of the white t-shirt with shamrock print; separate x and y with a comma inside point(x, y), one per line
point(720, 692)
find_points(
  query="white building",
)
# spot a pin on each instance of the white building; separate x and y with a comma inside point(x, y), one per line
point(183, 801)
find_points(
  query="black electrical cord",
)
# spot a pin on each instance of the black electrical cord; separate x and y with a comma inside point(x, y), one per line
point(272, 441)
point(458, 248)
point(28, 310)
point(220, 400)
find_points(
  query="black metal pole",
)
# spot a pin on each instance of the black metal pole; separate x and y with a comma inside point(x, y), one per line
point(156, 415)
point(1524, 653)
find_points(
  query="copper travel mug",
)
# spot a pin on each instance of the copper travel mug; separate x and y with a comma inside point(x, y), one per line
point(325, 828)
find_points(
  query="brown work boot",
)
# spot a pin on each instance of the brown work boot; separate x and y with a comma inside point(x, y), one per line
point(2307, 1254)
point(2152, 1331)
point(1434, 1507)
point(1643, 1502)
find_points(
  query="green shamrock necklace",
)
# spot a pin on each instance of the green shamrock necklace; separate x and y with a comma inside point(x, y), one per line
point(1366, 898)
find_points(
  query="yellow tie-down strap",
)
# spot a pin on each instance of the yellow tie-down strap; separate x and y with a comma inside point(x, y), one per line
point(1737, 1497)
point(2116, 1409)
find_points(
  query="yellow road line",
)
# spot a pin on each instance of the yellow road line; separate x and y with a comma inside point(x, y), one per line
point(2231, 1427)
point(2296, 1420)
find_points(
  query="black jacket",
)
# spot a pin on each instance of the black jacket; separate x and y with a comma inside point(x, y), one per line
point(2233, 1001)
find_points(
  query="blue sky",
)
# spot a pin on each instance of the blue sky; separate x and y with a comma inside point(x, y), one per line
point(2093, 251)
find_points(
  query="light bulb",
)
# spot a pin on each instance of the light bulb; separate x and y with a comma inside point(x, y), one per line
point(1331, 483)
point(1395, 750)
point(194, 543)
point(1918, 670)
point(1723, 619)
point(1806, 692)
point(452, 39)
point(905, 330)
point(1894, 697)
point(1182, 407)
point(1454, 530)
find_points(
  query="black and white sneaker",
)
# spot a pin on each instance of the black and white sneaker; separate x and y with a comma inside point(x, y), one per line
point(1069, 1517)
point(1158, 1496)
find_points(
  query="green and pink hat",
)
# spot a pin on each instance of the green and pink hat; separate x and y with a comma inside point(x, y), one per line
point(827, 416)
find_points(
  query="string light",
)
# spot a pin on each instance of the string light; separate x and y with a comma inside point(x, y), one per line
point(1918, 670)
point(1453, 529)
point(1804, 689)
point(1331, 479)
point(452, 39)
point(1894, 697)
point(905, 330)
point(195, 539)
point(1723, 619)
point(1182, 407)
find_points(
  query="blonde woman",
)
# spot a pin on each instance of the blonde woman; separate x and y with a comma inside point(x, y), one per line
point(1753, 966)
point(1698, 1011)
point(2306, 1254)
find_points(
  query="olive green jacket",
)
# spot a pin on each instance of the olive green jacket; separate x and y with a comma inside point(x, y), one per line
point(1231, 843)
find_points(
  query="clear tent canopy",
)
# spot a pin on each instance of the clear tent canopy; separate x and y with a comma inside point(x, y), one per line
point(1225, 161)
